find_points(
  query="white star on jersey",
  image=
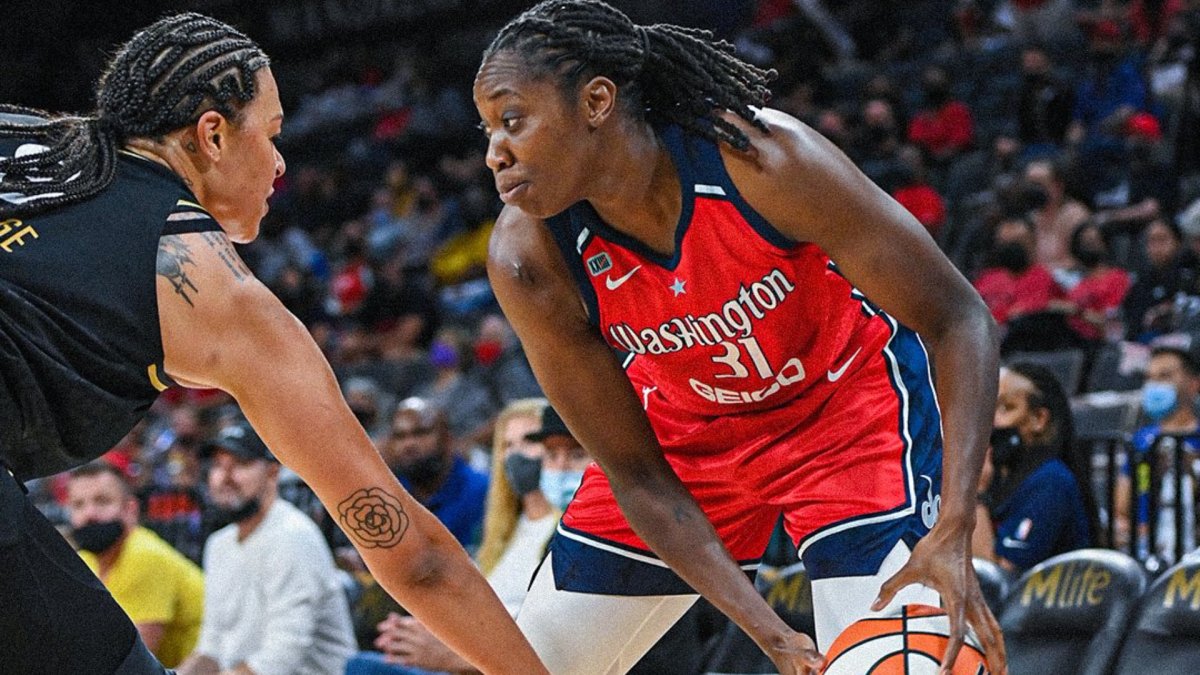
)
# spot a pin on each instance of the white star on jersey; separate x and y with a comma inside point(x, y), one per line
point(677, 287)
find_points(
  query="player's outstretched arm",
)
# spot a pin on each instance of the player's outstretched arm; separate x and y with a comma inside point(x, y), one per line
point(810, 191)
point(585, 383)
point(222, 328)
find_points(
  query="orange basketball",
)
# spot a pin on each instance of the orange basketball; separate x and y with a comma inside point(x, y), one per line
point(909, 644)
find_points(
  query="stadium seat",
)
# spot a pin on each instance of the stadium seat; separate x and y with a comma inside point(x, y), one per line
point(789, 592)
point(1065, 364)
point(1165, 639)
point(1068, 615)
point(1106, 373)
point(994, 582)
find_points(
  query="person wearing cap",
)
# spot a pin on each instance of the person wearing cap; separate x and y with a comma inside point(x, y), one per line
point(160, 589)
point(563, 460)
point(273, 603)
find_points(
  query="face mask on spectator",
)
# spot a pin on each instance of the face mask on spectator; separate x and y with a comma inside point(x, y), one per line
point(1006, 445)
point(488, 352)
point(524, 473)
point(1011, 256)
point(1089, 258)
point(98, 537)
point(424, 470)
point(1158, 399)
point(559, 486)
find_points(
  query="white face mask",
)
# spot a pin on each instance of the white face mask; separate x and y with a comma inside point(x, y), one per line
point(559, 486)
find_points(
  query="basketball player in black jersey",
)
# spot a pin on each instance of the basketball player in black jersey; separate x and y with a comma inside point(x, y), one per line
point(117, 279)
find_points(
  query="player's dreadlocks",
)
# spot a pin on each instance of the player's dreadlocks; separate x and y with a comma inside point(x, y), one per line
point(679, 75)
point(163, 79)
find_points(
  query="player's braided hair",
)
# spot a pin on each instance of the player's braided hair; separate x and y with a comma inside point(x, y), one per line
point(677, 75)
point(163, 79)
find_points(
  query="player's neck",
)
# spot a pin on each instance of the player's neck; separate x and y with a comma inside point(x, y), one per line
point(173, 154)
point(637, 189)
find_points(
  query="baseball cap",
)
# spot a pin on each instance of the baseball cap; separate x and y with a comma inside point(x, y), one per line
point(240, 440)
point(552, 425)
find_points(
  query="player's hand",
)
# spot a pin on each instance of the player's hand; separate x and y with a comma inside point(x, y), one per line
point(406, 641)
point(797, 654)
point(942, 561)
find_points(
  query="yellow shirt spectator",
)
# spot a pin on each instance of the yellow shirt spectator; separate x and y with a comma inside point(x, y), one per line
point(154, 583)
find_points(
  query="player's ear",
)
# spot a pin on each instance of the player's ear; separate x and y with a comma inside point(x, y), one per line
point(208, 134)
point(598, 98)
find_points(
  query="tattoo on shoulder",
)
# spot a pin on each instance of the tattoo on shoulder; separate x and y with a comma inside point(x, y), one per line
point(228, 255)
point(373, 518)
point(174, 259)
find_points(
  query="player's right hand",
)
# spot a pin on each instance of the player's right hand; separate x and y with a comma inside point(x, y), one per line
point(797, 655)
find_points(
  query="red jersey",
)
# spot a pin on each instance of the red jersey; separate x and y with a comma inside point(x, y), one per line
point(740, 319)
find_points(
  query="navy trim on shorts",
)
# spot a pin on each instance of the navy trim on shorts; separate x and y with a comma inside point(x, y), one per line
point(584, 563)
point(857, 546)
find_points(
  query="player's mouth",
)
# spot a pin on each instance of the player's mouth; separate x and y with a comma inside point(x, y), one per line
point(512, 191)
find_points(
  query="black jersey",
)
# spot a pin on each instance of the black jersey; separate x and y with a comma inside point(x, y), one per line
point(80, 345)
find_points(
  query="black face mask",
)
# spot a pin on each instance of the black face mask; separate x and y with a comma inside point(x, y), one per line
point(366, 417)
point(524, 473)
point(1006, 446)
point(1012, 257)
point(224, 515)
point(423, 470)
point(98, 537)
point(937, 95)
point(1089, 258)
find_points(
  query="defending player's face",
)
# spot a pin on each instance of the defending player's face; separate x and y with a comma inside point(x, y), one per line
point(536, 140)
point(242, 178)
point(98, 499)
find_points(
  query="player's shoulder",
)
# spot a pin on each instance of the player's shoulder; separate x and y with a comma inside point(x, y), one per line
point(518, 238)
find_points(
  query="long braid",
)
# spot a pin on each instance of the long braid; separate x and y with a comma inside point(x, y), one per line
point(675, 74)
point(163, 79)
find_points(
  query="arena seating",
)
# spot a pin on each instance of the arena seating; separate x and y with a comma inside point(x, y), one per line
point(994, 582)
point(1068, 614)
point(1165, 639)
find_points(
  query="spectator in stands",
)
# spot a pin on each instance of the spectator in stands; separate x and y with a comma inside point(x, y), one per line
point(1057, 217)
point(1149, 306)
point(1012, 283)
point(916, 194)
point(1111, 91)
point(942, 128)
point(162, 591)
point(272, 602)
point(1097, 295)
point(1046, 102)
point(1169, 400)
point(518, 523)
point(1043, 21)
point(366, 401)
point(1035, 492)
point(877, 142)
point(464, 399)
point(500, 362)
point(419, 450)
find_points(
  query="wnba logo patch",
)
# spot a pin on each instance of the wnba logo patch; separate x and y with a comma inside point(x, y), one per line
point(599, 264)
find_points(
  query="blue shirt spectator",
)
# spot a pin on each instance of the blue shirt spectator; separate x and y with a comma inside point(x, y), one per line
point(1045, 516)
point(458, 503)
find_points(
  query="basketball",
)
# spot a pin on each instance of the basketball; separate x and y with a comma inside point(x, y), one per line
point(910, 644)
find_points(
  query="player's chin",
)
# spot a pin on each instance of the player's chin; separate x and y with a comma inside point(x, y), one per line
point(537, 204)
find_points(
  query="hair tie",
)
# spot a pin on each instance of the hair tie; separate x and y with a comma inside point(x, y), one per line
point(106, 124)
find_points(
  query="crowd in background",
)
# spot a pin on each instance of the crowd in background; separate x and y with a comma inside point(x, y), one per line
point(1050, 147)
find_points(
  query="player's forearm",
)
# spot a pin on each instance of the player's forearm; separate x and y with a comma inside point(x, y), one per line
point(966, 358)
point(433, 578)
point(668, 519)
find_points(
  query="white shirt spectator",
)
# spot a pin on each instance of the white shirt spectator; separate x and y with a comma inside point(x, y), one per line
point(273, 600)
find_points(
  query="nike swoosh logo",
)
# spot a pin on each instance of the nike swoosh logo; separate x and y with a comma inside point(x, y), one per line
point(614, 284)
point(1009, 542)
point(835, 375)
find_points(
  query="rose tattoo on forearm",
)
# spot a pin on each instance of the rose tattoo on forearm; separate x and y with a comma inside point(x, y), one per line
point(373, 518)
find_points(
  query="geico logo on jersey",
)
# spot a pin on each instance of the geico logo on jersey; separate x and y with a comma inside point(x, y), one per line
point(791, 373)
point(735, 319)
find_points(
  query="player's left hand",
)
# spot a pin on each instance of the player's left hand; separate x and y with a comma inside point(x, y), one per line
point(942, 561)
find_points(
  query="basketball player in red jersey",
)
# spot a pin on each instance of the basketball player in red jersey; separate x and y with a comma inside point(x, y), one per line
point(763, 295)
